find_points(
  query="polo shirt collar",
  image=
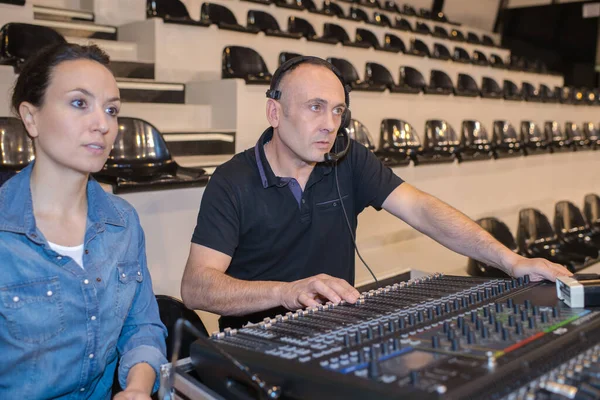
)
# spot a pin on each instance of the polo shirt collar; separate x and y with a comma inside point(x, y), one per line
point(267, 176)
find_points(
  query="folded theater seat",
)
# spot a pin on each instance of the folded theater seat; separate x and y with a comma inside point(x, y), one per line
point(490, 88)
point(265, 22)
point(140, 161)
point(500, 232)
point(398, 143)
point(573, 230)
point(440, 143)
point(20, 41)
point(16, 148)
point(534, 141)
point(244, 63)
point(559, 140)
point(361, 134)
point(351, 77)
point(592, 133)
point(591, 210)
point(536, 238)
point(223, 17)
point(466, 86)
point(505, 141)
point(474, 142)
point(172, 11)
point(577, 136)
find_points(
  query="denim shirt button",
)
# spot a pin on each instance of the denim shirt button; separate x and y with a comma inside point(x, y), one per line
point(49, 293)
point(91, 355)
point(139, 273)
point(123, 275)
point(85, 282)
point(59, 257)
point(93, 318)
point(16, 299)
point(82, 390)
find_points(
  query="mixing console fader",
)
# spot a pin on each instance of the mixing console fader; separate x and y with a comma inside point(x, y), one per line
point(435, 337)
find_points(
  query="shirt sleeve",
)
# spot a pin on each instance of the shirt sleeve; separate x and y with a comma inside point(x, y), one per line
point(373, 181)
point(218, 224)
point(143, 335)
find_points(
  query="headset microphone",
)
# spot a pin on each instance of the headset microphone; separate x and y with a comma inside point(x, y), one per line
point(334, 157)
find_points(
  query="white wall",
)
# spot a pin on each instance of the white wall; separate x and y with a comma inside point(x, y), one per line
point(476, 13)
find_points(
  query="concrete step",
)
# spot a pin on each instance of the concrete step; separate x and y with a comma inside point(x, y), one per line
point(80, 29)
point(150, 91)
point(171, 117)
point(61, 14)
point(117, 50)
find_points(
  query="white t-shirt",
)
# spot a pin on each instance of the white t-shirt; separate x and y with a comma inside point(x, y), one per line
point(75, 252)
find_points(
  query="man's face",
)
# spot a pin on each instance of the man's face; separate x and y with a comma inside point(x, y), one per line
point(312, 104)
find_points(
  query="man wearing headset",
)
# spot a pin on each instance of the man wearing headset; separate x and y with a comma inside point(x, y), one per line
point(271, 232)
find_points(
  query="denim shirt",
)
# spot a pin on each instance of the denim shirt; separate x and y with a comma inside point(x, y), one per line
point(63, 329)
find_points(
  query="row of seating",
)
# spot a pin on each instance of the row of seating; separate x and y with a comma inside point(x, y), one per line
point(245, 63)
point(573, 242)
point(399, 143)
point(140, 159)
point(175, 11)
point(261, 21)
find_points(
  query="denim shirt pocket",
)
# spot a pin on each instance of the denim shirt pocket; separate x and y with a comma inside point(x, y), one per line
point(33, 310)
point(129, 278)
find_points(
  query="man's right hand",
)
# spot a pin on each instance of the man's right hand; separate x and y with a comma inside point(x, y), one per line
point(316, 290)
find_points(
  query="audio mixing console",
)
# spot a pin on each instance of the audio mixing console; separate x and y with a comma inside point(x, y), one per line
point(440, 336)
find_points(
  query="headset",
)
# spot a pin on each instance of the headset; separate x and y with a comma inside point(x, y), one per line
point(275, 94)
point(343, 131)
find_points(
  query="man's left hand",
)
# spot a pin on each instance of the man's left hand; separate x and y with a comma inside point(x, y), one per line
point(132, 394)
point(538, 269)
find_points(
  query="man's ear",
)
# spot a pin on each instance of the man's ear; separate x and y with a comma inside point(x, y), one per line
point(28, 113)
point(273, 112)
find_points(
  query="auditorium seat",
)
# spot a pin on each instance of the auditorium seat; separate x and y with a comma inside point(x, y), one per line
point(536, 238)
point(440, 52)
point(530, 93)
point(170, 310)
point(16, 148)
point(333, 9)
point(339, 35)
point(440, 32)
point(19, 41)
point(380, 19)
point(480, 59)
point(245, 63)
point(487, 41)
point(440, 143)
point(140, 161)
point(592, 133)
point(516, 63)
point(497, 62)
point(265, 22)
point(474, 142)
point(565, 94)
point(377, 75)
point(591, 96)
point(290, 4)
point(351, 76)
point(302, 26)
point(359, 132)
point(402, 24)
point(411, 81)
point(311, 7)
point(461, 55)
point(457, 35)
point(573, 230)
point(14, 2)
point(408, 10)
point(367, 37)
point(222, 16)
point(422, 28)
point(511, 91)
point(390, 5)
point(440, 17)
point(393, 43)
point(418, 48)
point(466, 86)
point(265, 2)
point(591, 210)
point(547, 95)
point(501, 233)
point(424, 13)
point(559, 141)
point(285, 56)
point(534, 140)
point(439, 83)
point(473, 38)
point(370, 3)
point(171, 11)
point(398, 143)
point(505, 141)
point(576, 136)
point(490, 88)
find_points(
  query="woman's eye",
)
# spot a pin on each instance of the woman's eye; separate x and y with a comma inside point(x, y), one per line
point(78, 103)
point(112, 111)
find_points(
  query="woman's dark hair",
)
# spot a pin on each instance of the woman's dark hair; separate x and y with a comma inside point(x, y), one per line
point(36, 73)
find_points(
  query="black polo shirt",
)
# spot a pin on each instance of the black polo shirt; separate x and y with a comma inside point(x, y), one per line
point(274, 231)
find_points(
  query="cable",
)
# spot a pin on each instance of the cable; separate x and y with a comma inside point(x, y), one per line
point(337, 184)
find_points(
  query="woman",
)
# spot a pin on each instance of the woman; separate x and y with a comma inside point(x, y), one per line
point(76, 297)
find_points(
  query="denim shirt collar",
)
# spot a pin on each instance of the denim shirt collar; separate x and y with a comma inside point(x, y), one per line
point(17, 206)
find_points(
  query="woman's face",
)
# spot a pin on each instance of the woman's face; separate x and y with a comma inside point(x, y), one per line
point(76, 125)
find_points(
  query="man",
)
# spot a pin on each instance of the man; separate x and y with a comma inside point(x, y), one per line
point(271, 230)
